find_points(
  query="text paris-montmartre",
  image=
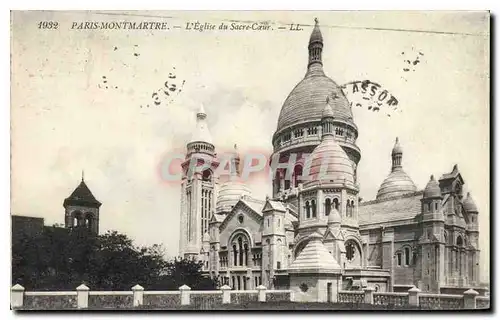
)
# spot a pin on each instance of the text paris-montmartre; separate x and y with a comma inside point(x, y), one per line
point(118, 25)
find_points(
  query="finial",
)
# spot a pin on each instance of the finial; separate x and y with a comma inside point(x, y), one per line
point(316, 21)
point(432, 177)
point(83, 175)
point(397, 139)
point(201, 114)
point(235, 146)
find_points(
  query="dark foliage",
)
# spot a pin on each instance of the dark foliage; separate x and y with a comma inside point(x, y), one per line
point(62, 259)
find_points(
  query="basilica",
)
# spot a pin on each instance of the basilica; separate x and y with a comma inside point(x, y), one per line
point(316, 236)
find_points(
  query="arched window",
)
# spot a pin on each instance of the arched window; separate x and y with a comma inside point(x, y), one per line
point(328, 206)
point(398, 257)
point(407, 256)
point(336, 203)
point(235, 255)
point(287, 180)
point(350, 250)
point(313, 206)
point(240, 249)
point(277, 180)
point(348, 209)
point(436, 206)
point(460, 242)
point(245, 261)
point(207, 175)
point(78, 220)
point(308, 213)
point(297, 173)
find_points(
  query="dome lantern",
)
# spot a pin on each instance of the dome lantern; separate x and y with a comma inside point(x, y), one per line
point(315, 46)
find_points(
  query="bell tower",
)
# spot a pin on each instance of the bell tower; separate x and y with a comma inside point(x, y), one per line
point(82, 209)
point(198, 188)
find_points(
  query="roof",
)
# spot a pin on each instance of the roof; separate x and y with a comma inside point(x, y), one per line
point(201, 133)
point(384, 210)
point(218, 217)
point(397, 147)
point(316, 35)
point(452, 175)
point(230, 193)
point(469, 204)
point(397, 183)
point(334, 216)
point(432, 189)
point(274, 206)
point(82, 196)
point(306, 101)
point(254, 204)
point(330, 154)
point(314, 256)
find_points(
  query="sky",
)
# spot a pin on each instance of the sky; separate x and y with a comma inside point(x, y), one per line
point(64, 119)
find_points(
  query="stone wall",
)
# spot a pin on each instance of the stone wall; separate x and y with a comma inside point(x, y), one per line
point(184, 298)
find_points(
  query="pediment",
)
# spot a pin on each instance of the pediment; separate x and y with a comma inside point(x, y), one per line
point(273, 206)
point(241, 209)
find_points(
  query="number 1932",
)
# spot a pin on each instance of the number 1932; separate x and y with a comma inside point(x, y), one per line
point(48, 25)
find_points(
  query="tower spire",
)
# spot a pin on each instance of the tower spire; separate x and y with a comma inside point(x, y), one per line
point(397, 156)
point(83, 175)
point(201, 133)
point(315, 49)
point(327, 120)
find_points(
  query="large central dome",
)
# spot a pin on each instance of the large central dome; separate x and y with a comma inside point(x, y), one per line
point(306, 101)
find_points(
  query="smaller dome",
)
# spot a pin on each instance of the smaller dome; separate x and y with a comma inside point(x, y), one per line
point(329, 153)
point(206, 237)
point(397, 183)
point(328, 111)
point(432, 189)
point(397, 147)
point(230, 193)
point(334, 217)
point(469, 204)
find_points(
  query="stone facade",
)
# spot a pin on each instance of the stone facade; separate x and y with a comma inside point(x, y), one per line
point(404, 238)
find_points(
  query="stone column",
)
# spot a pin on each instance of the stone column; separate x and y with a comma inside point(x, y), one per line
point(369, 295)
point(17, 296)
point(262, 293)
point(226, 294)
point(185, 296)
point(82, 296)
point(138, 292)
point(470, 299)
point(413, 298)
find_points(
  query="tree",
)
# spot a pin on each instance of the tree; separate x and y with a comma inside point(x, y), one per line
point(189, 272)
point(62, 259)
